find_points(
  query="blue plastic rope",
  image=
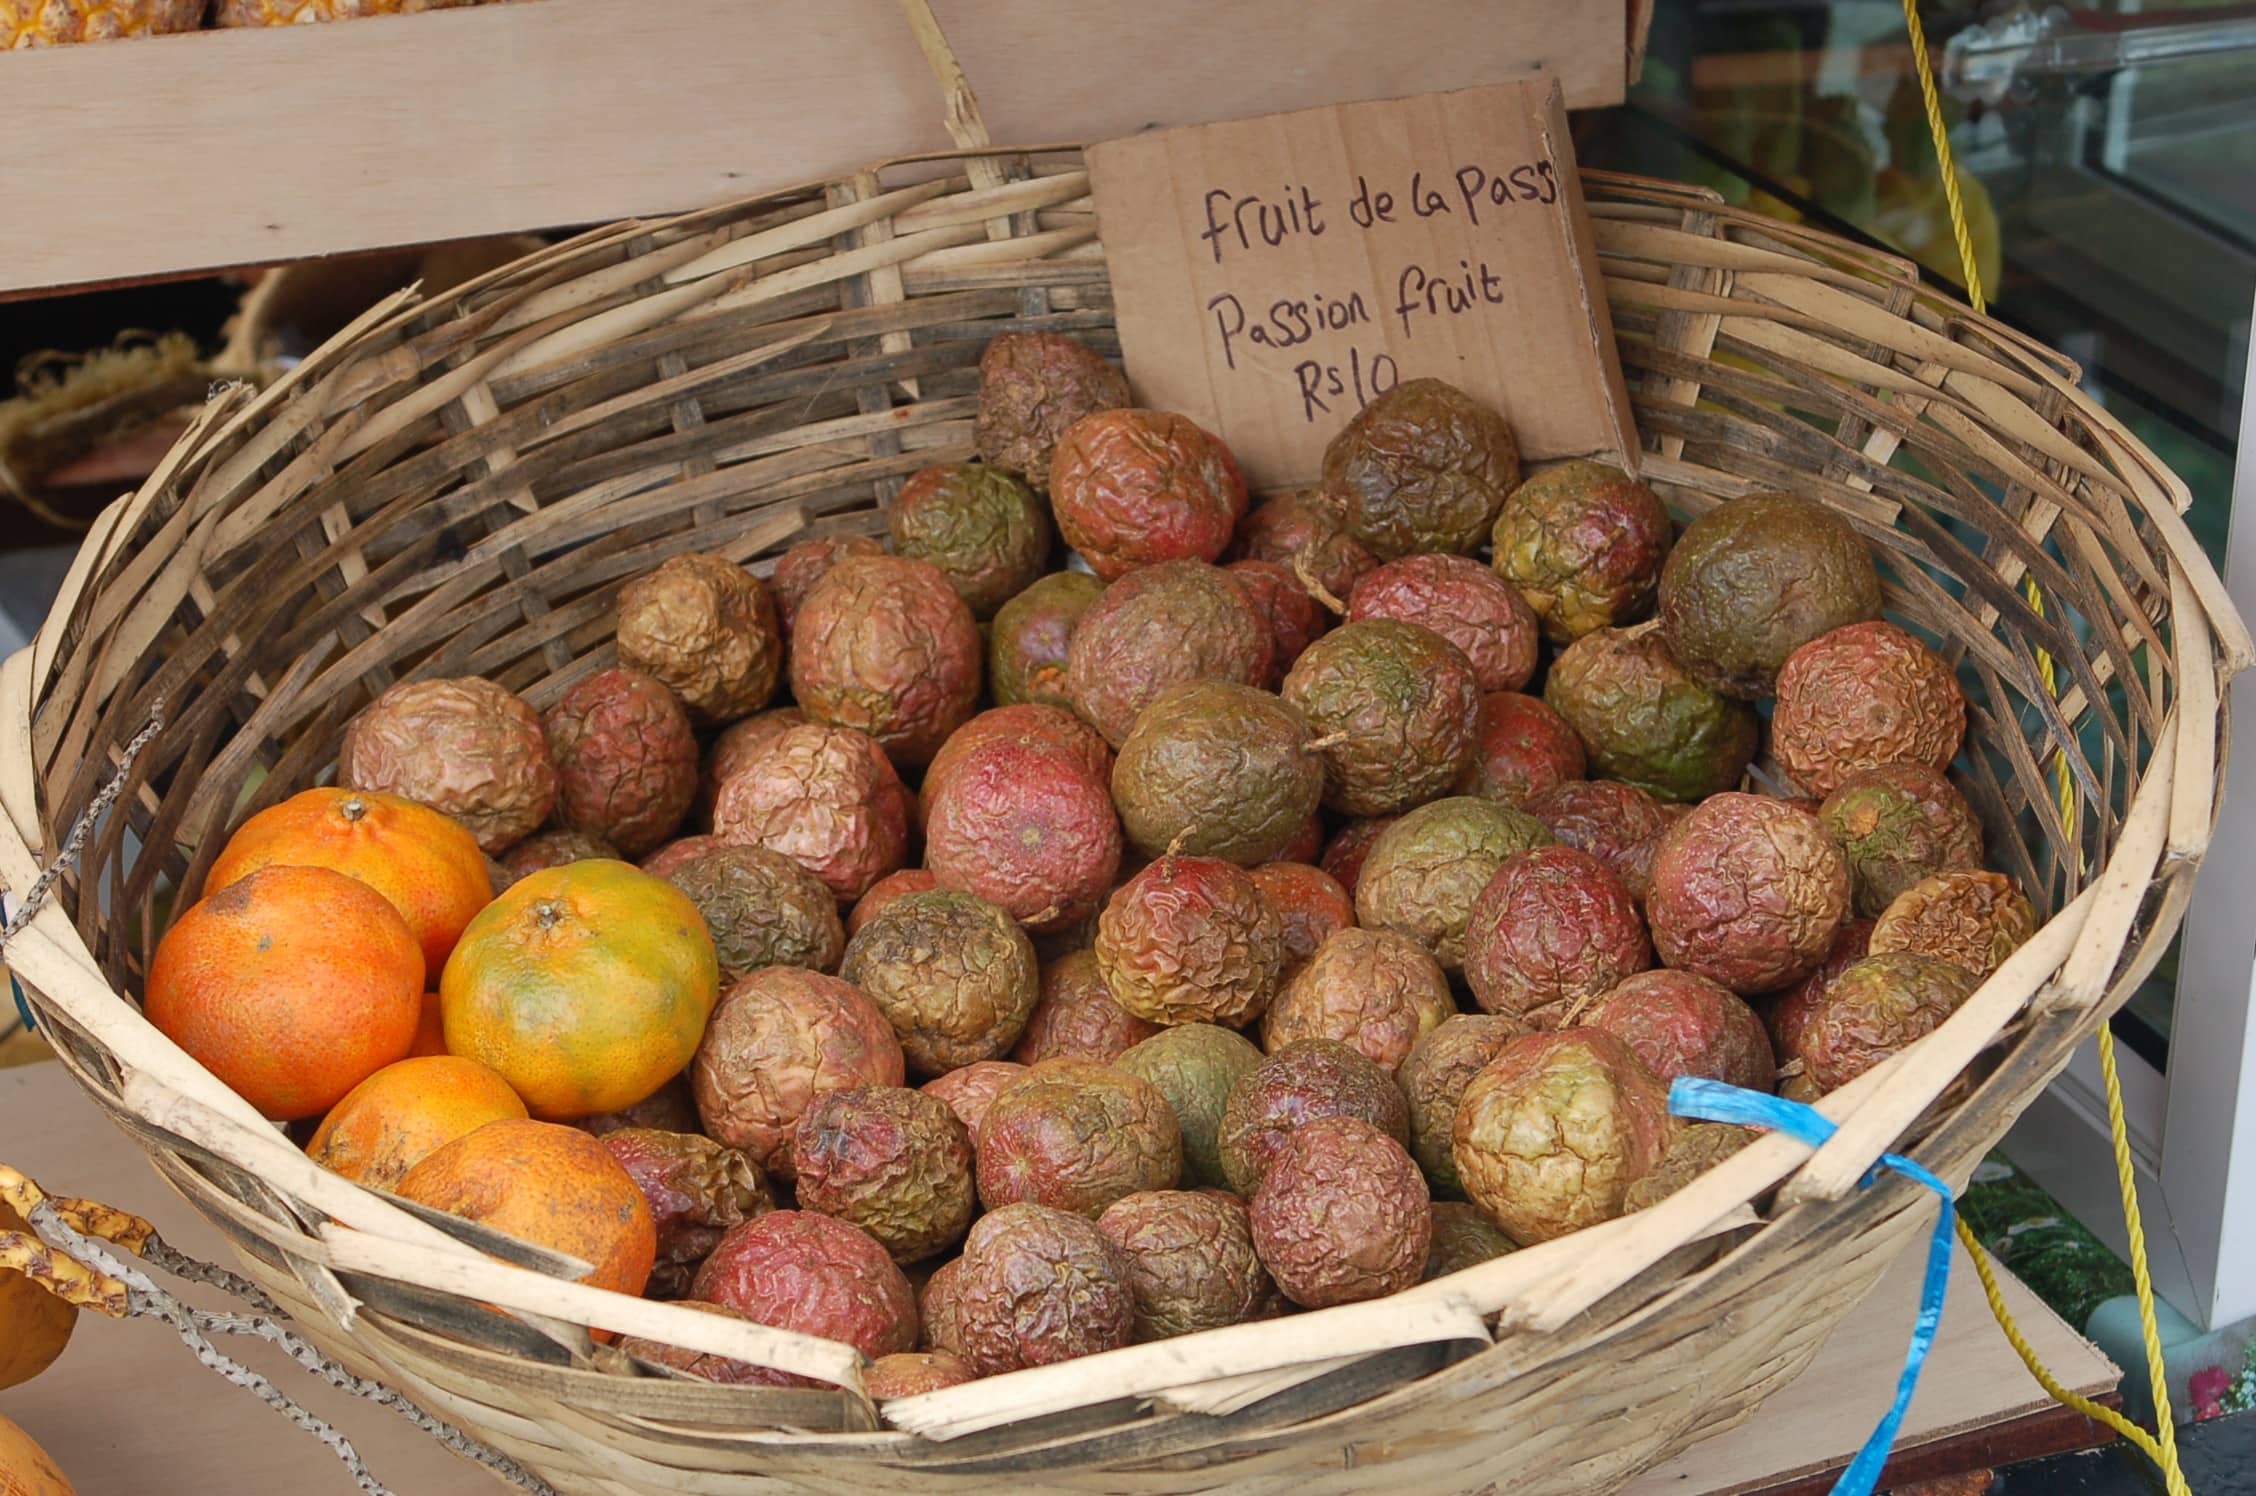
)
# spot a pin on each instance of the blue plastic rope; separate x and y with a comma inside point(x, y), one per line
point(1713, 1101)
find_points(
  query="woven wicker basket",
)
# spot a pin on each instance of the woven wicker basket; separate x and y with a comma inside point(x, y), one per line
point(460, 486)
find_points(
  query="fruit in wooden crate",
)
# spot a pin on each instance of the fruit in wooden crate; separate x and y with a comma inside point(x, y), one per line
point(883, 644)
point(1190, 1260)
point(698, 1189)
point(1191, 940)
point(1755, 579)
point(1159, 627)
point(1692, 1152)
point(1022, 822)
point(1552, 930)
point(1876, 1007)
point(1747, 891)
point(1305, 532)
point(1217, 769)
point(547, 849)
point(707, 628)
point(1682, 1024)
point(1584, 543)
point(25, 1468)
point(895, 1162)
point(1075, 1017)
point(1553, 1131)
point(467, 748)
point(779, 1038)
point(553, 1186)
point(1342, 1215)
point(1860, 697)
point(1033, 387)
point(56, 23)
point(300, 12)
point(827, 798)
point(1433, 1079)
point(1424, 467)
point(762, 909)
point(1464, 602)
point(911, 1373)
point(1135, 487)
point(1646, 721)
point(1524, 748)
point(626, 759)
point(291, 984)
point(1076, 1135)
point(1039, 1286)
point(1971, 917)
point(1424, 872)
point(1311, 908)
point(1373, 989)
point(952, 973)
point(586, 986)
point(391, 1121)
point(1296, 620)
point(798, 569)
point(1462, 1237)
point(1897, 824)
point(425, 864)
point(1026, 643)
point(1617, 823)
point(982, 528)
point(1400, 706)
point(1305, 1080)
point(1195, 1066)
point(35, 1326)
point(796, 1270)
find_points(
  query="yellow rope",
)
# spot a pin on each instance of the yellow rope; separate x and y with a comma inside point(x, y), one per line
point(2161, 1447)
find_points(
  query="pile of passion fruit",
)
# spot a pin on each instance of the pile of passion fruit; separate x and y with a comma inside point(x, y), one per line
point(1154, 910)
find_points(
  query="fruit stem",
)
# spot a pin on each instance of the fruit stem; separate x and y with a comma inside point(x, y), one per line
point(353, 808)
point(548, 913)
point(1316, 589)
point(1328, 740)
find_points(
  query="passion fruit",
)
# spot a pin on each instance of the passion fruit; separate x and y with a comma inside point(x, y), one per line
point(1397, 706)
point(1553, 1132)
point(1755, 579)
point(547, 849)
point(1552, 931)
point(1217, 769)
point(1307, 535)
point(1077, 1136)
point(779, 1038)
point(883, 892)
point(1696, 1149)
point(467, 748)
point(1373, 989)
point(1462, 1237)
point(1302, 1081)
point(971, 1089)
point(1345, 853)
point(800, 1271)
point(707, 628)
point(1048, 724)
point(1645, 720)
point(1191, 940)
point(1464, 602)
point(626, 759)
point(1134, 487)
point(1191, 1261)
point(1032, 387)
point(1425, 871)
point(798, 569)
point(982, 527)
point(1583, 543)
point(698, 1189)
point(1682, 1024)
point(952, 973)
point(1026, 644)
point(1788, 1014)
point(884, 645)
point(762, 909)
point(1311, 907)
point(825, 797)
point(1076, 1019)
point(1972, 918)
point(1433, 1080)
point(1195, 1066)
point(896, 1163)
point(1022, 823)
point(1522, 749)
point(1617, 823)
point(1424, 467)
point(1862, 696)
point(1039, 1286)
point(1342, 1215)
point(913, 1373)
point(1295, 618)
point(1747, 891)
point(1164, 626)
point(1897, 824)
point(1874, 1009)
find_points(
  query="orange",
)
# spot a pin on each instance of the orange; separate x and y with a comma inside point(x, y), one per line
point(430, 1030)
point(34, 1324)
point(25, 1468)
point(393, 1119)
point(587, 986)
point(426, 863)
point(553, 1186)
point(292, 985)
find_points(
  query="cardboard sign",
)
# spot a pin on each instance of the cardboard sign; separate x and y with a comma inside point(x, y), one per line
point(1273, 275)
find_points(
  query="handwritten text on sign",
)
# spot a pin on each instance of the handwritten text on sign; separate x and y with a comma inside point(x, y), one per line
point(1273, 275)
